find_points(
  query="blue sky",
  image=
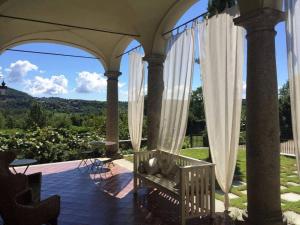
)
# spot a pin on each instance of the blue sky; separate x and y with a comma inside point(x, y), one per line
point(77, 78)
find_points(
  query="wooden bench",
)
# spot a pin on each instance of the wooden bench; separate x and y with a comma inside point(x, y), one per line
point(195, 194)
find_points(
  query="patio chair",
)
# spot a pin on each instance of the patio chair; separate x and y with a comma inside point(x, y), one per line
point(34, 180)
point(17, 207)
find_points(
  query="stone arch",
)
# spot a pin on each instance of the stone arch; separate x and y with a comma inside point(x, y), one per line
point(115, 61)
point(168, 22)
point(96, 54)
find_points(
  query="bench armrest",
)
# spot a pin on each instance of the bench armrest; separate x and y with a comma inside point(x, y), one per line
point(196, 166)
point(144, 152)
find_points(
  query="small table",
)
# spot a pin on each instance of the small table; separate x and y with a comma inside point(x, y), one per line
point(86, 157)
point(22, 162)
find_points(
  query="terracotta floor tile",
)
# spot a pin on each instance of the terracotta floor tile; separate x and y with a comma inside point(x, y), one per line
point(89, 201)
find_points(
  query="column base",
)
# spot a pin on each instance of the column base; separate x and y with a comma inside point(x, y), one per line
point(111, 151)
point(265, 221)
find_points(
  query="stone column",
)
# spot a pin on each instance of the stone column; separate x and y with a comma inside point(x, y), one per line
point(112, 113)
point(154, 97)
point(263, 142)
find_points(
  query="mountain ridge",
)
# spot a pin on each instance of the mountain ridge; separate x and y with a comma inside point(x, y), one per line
point(20, 101)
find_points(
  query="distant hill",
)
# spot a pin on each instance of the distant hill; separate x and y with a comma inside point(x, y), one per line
point(15, 100)
point(18, 101)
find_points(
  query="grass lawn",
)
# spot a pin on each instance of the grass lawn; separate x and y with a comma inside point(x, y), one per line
point(288, 168)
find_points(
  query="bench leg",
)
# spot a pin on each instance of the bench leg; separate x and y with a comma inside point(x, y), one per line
point(182, 220)
point(182, 212)
point(135, 186)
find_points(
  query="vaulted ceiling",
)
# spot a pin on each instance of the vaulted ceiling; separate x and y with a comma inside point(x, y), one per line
point(146, 20)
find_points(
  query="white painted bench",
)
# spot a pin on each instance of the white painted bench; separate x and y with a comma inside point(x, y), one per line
point(195, 194)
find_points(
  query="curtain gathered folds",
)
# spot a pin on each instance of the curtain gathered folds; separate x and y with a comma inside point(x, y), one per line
point(221, 51)
point(178, 72)
point(293, 53)
point(135, 99)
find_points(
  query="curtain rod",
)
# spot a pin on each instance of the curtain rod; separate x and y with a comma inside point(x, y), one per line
point(191, 20)
point(52, 53)
point(130, 50)
point(67, 25)
point(165, 33)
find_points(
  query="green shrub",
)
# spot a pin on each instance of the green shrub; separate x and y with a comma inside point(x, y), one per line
point(49, 144)
point(186, 143)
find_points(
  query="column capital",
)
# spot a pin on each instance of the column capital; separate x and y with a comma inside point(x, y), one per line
point(260, 20)
point(112, 75)
point(154, 59)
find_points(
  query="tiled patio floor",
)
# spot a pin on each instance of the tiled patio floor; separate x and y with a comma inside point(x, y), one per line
point(85, 201)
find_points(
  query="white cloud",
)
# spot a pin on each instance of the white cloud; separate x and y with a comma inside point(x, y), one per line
point(55, 85)
point(123, 95)
point(88, 82)
point(121, 84)
point(244, 89)
point(18, 70)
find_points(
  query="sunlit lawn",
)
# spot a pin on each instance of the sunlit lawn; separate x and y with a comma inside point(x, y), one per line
point(288, 168)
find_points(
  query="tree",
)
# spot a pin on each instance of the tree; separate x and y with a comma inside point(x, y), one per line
point(196, 120)
point(123, 125)
point(10, 122)
point(285, 118)
point(196, 112)
point(76, 120)
point(2, 121)
point(218, 6)
point(61, 120)
point(36, 116)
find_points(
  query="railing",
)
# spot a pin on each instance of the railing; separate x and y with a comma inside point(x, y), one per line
point(288, 148)
point(129, 141)
point(125, 145)
point(242, 147)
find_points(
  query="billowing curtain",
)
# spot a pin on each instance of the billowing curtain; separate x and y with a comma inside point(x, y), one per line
point(221, 58)
point(293, 52)
point(135, 99)
point(178, 72)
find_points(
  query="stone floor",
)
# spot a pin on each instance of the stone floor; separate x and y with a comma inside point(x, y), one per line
point(88, 200)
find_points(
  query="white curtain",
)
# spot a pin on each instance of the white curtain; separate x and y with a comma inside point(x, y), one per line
point(293, 51)
point(135, 99)
point(221, 57)
point(178, 72)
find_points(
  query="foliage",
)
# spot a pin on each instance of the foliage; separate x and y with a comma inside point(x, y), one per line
point(196, 112)
point(243, 116)
point(36, 116)
point(49, 144)
point(186, 143)
point(285, 117)
point(218, 6)
point(123, 126)
point(2, 121)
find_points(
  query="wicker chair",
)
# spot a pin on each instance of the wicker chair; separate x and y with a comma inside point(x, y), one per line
point(34, 180)
point(17, 207)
